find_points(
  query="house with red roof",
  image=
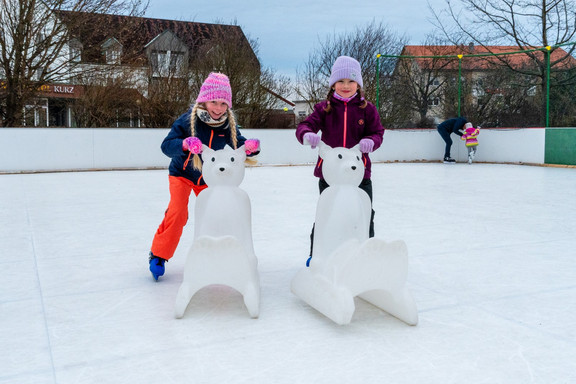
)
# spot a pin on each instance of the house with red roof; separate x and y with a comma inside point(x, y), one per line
point(432, 72)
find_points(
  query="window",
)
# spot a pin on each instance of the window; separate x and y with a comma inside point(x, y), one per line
point(160, 58)
point(75, 54)
point(478, 90)
point(113, 56)
point(112, 50)
point(165, 63)
point(176, 59)
point(75, 50)
point(41, 36)
point(38, 73)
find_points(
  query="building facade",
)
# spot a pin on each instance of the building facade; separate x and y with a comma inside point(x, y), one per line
point(117, 68)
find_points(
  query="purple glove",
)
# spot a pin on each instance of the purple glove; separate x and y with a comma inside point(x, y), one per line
point(192, 144)
point(312, 138)
point(366, 145)
point(252, 146)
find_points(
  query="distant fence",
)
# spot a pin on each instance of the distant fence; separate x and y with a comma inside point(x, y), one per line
point(468, 59)
point(65, 149)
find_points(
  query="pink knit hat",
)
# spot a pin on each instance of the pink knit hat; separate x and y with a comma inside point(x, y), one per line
point(216, 87)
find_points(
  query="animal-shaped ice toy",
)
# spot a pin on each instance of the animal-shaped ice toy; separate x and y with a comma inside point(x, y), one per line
point(222, 251)
point(345, 262)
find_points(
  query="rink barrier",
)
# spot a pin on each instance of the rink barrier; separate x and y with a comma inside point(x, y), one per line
point(25, 150)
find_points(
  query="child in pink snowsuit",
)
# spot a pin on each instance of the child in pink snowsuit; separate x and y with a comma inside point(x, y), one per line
point(471, 137)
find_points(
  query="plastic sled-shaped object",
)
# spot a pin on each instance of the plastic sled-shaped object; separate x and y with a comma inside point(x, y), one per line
point(374, 270)
point(221, 261)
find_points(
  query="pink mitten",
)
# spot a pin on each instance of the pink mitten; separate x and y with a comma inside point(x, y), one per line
point(312, 138)
point(252, 146)
point(192, 144)
point(366, 145)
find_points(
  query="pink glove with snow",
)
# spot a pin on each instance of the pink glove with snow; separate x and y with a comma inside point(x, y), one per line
point(192, 144)
point(312, 138)
point(366, 145)
point(252, 146)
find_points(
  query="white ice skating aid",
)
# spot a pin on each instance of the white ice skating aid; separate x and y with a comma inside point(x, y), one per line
point(345, 262)
point(222, 251)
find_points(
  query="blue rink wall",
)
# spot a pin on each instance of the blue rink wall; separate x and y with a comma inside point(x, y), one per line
point(63, 149)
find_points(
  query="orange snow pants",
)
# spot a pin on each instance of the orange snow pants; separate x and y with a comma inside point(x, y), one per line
point(168, 234)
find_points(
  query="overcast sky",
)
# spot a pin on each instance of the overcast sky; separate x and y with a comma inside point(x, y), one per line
point(289, 30)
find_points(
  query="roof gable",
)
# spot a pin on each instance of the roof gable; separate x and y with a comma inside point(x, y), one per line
point(166, 40)
point(111, 42)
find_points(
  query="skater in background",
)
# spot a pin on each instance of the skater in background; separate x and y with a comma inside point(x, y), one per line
point(446, 128)
point(210, 121)
point(344, 119)
point(471, 137)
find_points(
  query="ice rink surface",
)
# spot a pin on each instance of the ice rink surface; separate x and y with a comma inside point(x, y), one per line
point(492, 251)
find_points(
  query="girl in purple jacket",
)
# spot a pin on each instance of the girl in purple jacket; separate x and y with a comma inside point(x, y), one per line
point(345, 119)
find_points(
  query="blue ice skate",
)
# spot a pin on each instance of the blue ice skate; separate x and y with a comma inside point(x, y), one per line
point(156, 266)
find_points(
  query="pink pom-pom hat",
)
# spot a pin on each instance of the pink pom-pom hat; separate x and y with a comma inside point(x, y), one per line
point(216, 87)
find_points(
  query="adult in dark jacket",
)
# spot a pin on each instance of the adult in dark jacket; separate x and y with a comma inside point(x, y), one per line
point(345, 119)
point(455, 125)
point(210, 122)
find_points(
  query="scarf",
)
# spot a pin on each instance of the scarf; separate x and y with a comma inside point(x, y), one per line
point(344, 99)
point(205, 117)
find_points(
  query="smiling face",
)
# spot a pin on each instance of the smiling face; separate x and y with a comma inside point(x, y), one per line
point(345, 87)
point(216, 108)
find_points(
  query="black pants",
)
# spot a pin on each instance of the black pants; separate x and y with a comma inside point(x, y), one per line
point(446, 137)
point(366, 186)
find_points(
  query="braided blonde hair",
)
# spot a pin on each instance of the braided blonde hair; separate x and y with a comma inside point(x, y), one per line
point(196, 161)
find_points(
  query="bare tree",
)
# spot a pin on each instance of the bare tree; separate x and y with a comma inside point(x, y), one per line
point(526, 24)
point(108, 99)
point(35, 47)
point(254, 88)
point(167, 88)
point(421, 77)
point(363, 44)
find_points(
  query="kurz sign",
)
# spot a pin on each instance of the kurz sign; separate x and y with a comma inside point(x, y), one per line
point(62, 90)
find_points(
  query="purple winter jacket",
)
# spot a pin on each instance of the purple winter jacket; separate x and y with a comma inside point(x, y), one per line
point(338, 131)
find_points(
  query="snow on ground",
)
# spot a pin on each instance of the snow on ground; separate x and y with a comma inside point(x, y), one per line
point(492, 270)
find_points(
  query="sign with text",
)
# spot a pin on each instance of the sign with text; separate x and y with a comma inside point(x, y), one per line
point(62, 90)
